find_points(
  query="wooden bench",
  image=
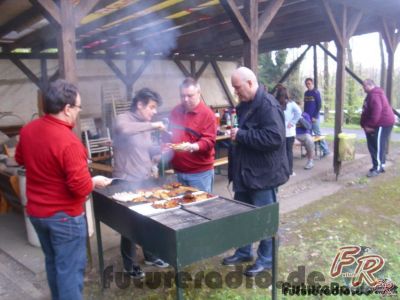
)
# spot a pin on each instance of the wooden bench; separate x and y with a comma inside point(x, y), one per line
point(317, 145)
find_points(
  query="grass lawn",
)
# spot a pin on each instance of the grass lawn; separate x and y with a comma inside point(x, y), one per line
point(366, 213)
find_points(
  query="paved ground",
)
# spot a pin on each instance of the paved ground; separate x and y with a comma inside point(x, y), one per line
point(359, 133)
point(22, 274)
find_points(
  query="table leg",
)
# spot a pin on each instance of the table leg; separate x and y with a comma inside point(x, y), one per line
point(274, 266)
point(100, 252)
point(178, 283)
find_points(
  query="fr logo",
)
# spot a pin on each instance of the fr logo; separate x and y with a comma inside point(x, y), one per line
point(357, 263)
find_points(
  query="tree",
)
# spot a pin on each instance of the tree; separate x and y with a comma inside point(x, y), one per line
point(383, 64)
point(272, 69)
point(328, 94)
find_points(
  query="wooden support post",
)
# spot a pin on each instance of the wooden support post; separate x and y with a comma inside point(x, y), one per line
point(343, 31)
point(129, 83)
point(340, 84)
point(250, 26)
point(67, 41)
point(315, 67)
point(250, 47)
point(192, 68)
point(43, 71)
point(391, 38)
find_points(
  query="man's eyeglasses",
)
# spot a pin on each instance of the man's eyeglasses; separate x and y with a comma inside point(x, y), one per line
point(78, 106)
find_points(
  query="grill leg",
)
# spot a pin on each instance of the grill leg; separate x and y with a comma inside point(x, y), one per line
point(100, 253)
point(274, 266)
point(178, 283)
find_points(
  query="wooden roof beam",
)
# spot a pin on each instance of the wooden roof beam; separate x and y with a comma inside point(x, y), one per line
point(49, 9)
point(27, 72)
point(267, 16)
point(348, 70)
point(236, 18)
point(19, 21)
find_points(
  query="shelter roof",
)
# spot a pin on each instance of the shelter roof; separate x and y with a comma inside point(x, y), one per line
point(195, 28)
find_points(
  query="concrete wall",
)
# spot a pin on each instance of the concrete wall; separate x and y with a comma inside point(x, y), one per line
point(19, 96)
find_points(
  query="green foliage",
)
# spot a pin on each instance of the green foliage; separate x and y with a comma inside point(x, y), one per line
point(271, 68)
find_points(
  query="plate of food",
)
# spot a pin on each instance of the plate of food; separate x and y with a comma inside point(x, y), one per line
point(156, 207)
point(179, 146)
point(191, 198)
point(128, 197)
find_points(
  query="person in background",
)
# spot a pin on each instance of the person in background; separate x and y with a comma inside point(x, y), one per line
point(303, 135)
point(193, 125)
point(292, 114)
point(58, 183)
point(312, 106)
point(377, 120)
point(257, 161)
point(135, 159)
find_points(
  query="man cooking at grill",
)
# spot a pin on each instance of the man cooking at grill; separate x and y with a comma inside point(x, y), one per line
point(257, 161)
point(58, 183)
point(135, 160)
point(194, 129)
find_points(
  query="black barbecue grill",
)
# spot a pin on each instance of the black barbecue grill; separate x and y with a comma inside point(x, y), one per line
point(188, 234)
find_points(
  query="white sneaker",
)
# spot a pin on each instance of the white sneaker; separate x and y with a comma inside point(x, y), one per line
point(293, 174)
point(157, 263)
point(309, 165)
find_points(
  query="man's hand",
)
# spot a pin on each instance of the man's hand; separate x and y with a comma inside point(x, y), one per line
point(191, 147)
point(313, 120)
point(101, 181)
point(289, 125)
point(369, 129)
point(158, 125)
point(233, 133)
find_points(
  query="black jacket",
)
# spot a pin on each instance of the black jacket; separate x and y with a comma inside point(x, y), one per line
point(257, 159)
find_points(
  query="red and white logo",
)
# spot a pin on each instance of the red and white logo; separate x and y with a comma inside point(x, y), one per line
point(363, 265)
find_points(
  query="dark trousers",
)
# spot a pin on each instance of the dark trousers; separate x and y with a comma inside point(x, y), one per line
point(264, 252)
point(377, 142)
point(128, 253)
point(289, 152)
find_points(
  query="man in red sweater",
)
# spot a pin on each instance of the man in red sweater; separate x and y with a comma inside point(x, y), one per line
point(58, 183)
point(377, 120)
point(193, 126)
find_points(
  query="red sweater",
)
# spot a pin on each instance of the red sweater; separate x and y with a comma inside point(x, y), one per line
point(57, 174)
point(202, 122)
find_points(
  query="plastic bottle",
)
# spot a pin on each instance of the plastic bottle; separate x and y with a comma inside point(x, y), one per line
point(218, 119)
point(228, 119)
point(235, 123)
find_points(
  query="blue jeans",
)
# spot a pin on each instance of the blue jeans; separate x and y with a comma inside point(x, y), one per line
point(258, 198)
point(317, 131)
point(63, 240)
point(204, 181)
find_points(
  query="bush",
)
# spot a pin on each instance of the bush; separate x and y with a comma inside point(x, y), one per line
point(352, 118)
